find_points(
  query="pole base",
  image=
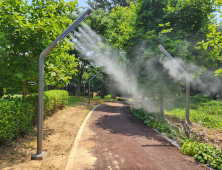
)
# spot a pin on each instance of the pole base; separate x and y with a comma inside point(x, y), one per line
point(39, 156)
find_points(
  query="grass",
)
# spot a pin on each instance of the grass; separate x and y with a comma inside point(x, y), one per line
point(203, 109)
point(75, 100)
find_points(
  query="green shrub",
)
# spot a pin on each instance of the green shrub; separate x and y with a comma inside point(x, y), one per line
point(55, 99)
point(17, 115)
point(204, 153)
point(108, 96)
point(15, 118)
point(161, 125)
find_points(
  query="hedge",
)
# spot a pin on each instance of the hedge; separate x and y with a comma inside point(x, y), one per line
point(17, 115)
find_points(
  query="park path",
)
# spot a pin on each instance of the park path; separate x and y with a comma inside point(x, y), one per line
point(113, 138)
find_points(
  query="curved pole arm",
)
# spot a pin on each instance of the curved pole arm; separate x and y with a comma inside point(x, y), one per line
point(175, 62)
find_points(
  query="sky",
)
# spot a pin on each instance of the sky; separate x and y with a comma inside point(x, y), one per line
point(82, 3)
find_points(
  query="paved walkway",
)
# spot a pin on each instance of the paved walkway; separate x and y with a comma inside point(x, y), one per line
point(113, 139)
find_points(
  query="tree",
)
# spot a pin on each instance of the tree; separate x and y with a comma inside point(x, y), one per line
point(141, 27)
point(107, 5)
point(100, 22)
point(25, 32)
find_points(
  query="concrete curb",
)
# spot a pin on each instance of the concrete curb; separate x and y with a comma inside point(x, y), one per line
point(70, 163)
point(163, 135)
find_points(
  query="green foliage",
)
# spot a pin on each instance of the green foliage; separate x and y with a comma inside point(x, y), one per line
point(55, 99)
point(151, 120)
point(121, 99)
point(26, 30)
point(107, 5)
point(108, 96)
point(204, 153)
point(203, 109)
point(15, 118)
point(17, 115)
point(212, 45)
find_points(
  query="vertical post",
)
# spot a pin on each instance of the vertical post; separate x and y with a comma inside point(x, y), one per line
point(187, 106)
point(40, 155)
point(40, 106)
point(92, 91)
point(89, 94)
point(187, 99)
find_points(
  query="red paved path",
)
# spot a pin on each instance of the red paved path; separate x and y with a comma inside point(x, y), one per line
point(116, 140)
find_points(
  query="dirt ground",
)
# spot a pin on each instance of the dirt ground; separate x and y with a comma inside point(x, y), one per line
point(59, 134)
point(199, 133)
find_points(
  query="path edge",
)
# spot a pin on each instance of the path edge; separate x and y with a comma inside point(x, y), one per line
point(70, 162)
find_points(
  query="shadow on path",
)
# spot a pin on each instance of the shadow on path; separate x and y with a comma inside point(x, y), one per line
point(120, 120)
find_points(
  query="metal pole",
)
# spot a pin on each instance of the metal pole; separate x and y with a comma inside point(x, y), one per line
point(40, 154)
point(92, 90)
point(170, 57)
point(187, 83)
point(89, 84)
point(187, 99)
point(89, 94)
point(187, 107)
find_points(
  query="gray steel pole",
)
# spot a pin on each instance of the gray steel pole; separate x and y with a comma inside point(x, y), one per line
point(89, 84)
point(40, 154)
point(89, 94)
point(187, 99)
point(187, 80)
point(187, 107)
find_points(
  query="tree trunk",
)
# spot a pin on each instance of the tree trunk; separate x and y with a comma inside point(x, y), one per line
point(113, 90)
point(102, 92)
point(161, 101)
point(78, 86)
point(24, 89)
point(79, 82)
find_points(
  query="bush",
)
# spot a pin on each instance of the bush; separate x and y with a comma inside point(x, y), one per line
point(108, 96)
point(204, 153)
point(15, 118)
point(161, 125)
point(53, 100)
point(17, 115)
